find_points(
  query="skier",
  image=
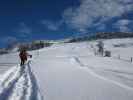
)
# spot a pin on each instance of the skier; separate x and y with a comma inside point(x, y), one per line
point(23, 56)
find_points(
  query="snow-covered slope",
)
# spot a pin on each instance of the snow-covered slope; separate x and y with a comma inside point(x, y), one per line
point(19, 83)
point(72, 72)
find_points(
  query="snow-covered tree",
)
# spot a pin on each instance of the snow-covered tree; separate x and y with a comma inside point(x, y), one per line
point(100, 46)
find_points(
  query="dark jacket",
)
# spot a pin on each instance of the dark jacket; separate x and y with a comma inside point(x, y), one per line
point(23, 55)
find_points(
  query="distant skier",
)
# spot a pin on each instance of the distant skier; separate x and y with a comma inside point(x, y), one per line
point(23, 56)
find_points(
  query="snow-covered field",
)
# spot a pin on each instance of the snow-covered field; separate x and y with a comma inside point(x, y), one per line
point(70, 72)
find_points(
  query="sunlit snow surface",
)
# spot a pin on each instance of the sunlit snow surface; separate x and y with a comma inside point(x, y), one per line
point(19, 83)
point(70, 72)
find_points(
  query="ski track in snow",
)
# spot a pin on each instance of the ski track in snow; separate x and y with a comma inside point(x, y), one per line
point(19, 83)
point(101, 77)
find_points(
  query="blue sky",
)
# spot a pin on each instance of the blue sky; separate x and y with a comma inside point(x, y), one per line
point(27, 20)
